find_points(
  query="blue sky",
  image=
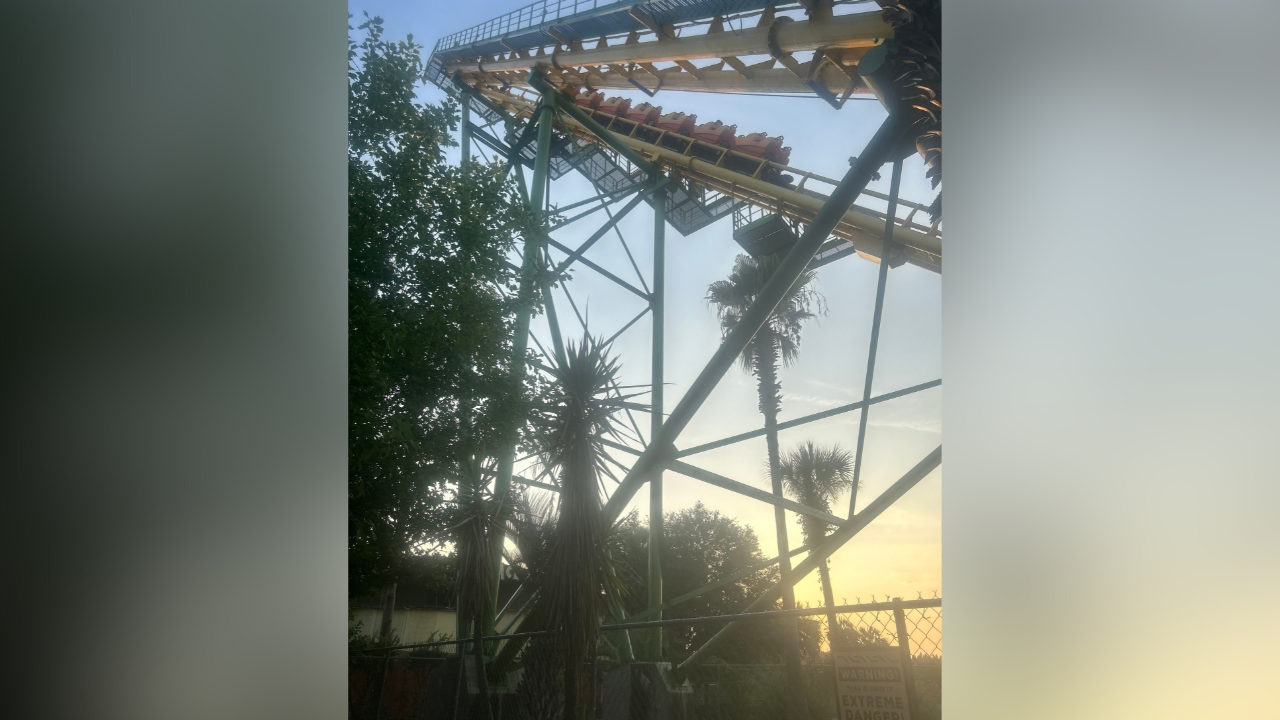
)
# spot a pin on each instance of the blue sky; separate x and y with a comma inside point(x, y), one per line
point(900, 552)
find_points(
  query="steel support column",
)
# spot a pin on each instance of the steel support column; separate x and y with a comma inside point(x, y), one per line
point(539, 83)
point(657, 303)
point(875, 330)
point(466, 129)
point(662, 447)
point(520, 344)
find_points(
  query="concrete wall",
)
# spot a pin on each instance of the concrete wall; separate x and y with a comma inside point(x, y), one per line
point(414, 626)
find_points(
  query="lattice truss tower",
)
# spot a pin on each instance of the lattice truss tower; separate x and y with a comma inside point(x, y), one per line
point(533, 86)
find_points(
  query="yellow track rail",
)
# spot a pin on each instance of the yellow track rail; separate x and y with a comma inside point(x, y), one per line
point(862, 227)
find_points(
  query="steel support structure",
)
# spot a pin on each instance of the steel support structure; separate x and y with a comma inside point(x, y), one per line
point(859, 227)
point(624, 62)
point(529, 268)
point(881, 280)
point(662, 447)
point(657, 308)
point(832, 227)
point(661, 453)
point(465, 131)
point(819, 554)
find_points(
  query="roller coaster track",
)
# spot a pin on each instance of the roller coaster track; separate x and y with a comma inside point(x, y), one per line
point(709, 183)
point(627, 44)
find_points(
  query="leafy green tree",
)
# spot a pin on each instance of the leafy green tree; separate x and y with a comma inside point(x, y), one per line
point(703, 546)
point(430, 308)
point(849, 636)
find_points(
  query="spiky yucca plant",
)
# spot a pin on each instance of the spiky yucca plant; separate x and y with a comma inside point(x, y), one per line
point(469, 525)
point(576, 582)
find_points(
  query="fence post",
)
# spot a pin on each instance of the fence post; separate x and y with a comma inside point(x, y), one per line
point(904, 648)
point(382, 689)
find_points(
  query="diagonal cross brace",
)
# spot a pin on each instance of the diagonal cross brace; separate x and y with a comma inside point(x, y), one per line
point(808, 418)
point(882, 145)
point(721, 481)
point(539, 83)
point(623, 283)
point(717, 584)
point(608, 226)
point(833, 542)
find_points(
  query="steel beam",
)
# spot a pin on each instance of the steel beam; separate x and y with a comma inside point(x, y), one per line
point(775, 614)
point(497, 146)
point(777, 81)
point(607, 197)
point(721, 481)
point(657, 304)
point(833, 542)
point(886, 139)
point(566, 249)
point(861, 229)
point(466, 129)
point(633, 321)
point(585, 213)
point(808, 418)
point(627, 250)
point(881, 281)
point(717, 584)
point(553, 322)
point(520, 343)
point(538, 186)
point(859, 30)
point(777, 501)
point(605, 228)
point(539, 83)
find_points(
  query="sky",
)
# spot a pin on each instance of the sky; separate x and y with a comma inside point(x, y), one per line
point(899, 554)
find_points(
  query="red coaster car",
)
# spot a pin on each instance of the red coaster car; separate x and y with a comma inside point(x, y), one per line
point(644, 113)
point(615, 106)
point(716, 133)
point(677, 122)
point(589, 99)
point(762, 146)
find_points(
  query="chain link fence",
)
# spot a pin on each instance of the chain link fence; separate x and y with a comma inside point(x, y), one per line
point(710, 669)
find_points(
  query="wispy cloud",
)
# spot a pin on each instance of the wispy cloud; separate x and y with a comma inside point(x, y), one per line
point(839, 389)
point(922, 425)
point(814, 400)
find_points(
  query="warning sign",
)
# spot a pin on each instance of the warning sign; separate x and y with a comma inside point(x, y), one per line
point(870, 684)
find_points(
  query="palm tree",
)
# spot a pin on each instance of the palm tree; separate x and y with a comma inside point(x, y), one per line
point(777, 340)
point(815, 476)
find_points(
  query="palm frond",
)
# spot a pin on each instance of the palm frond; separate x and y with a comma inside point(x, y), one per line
point(815, 476)
point(733, 296)
point(576, 580)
